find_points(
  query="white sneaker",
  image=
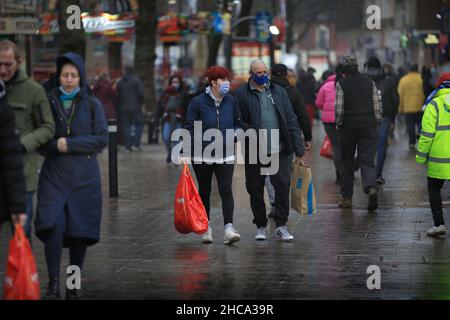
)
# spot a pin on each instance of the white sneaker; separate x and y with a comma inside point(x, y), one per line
point(282, 233)
point(231, 235)
point(436, 231)
point(207, 236)
point(260, 234)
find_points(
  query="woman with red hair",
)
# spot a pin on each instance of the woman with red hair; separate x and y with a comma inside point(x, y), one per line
point(216, 109)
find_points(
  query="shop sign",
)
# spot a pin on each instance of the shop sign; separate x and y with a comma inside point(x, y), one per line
point(19, 25)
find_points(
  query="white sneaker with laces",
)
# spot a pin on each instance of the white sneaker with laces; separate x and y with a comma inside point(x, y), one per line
point(207, 236)
point(436, 231)
point(231, 235)
point(260, 234)
point(282, 233)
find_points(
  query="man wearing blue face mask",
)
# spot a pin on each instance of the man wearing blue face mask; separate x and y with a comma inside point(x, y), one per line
point(265, 105)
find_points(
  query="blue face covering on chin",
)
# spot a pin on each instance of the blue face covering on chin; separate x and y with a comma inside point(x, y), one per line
point(260, 80)
point(69, 95)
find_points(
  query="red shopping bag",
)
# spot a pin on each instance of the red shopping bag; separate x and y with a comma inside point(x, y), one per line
point(21, 278)
point(190, 214)
point(327, 149)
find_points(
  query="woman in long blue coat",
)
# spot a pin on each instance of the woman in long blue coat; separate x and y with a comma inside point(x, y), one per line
point(69, 194)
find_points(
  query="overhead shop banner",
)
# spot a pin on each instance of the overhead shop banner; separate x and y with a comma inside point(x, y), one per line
point(173, 27)
point(20, 6)
point(122, 25)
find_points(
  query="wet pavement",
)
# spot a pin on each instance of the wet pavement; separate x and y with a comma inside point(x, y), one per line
point(141, 256)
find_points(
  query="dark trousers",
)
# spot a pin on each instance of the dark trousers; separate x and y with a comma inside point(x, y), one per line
point(224, 176)
point(54, 249)
point(383, 135)
point(281, 181)
point(434, 193)
point(330, 129)
point(364, 140)
point(413, 120)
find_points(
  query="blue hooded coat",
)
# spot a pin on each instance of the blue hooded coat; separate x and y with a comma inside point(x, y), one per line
point(69, 183)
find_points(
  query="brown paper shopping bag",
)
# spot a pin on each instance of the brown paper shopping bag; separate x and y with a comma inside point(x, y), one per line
point(303, 198)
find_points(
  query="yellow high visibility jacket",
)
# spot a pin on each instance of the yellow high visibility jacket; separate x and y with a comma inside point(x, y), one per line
point(434, 143)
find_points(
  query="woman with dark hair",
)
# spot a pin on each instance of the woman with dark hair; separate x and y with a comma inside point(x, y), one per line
point(325, 102)
point(173, 110)
point(69, 204)
point(216, 109)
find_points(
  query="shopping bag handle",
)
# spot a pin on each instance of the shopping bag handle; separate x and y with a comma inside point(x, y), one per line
point(18, 232)
point(302, 163)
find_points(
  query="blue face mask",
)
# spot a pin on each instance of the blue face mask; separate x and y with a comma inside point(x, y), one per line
point(260, 80)
point(69, 95)
point(225, 88)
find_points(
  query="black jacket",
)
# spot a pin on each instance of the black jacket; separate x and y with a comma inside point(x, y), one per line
point(307, 85)
point(298, 104)
point(358, 101)
point(12, 179)
point(130, 90)
point(250, 112)
point(389, 94)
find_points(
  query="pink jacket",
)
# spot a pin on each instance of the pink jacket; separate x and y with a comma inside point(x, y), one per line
point(325, 100)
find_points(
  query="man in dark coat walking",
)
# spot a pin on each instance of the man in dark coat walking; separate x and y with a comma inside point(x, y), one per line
point(390, 99)
point(265, 105)
point(12, 179)
point(358, 112)
point(130, 90)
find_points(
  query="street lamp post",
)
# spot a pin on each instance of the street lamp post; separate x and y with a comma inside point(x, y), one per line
point(274, 32)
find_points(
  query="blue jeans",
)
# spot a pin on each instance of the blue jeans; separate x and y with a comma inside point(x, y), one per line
point(137, 136)
point(129, 120)
point(383, 134)
point(168, 128)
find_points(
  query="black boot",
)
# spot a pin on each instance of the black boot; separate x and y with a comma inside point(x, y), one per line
point(72, 294)
point(373, 199)
point(338, 179)
point(53, 292)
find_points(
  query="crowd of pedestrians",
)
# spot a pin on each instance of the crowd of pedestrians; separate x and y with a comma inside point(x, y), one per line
point(65, 121)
